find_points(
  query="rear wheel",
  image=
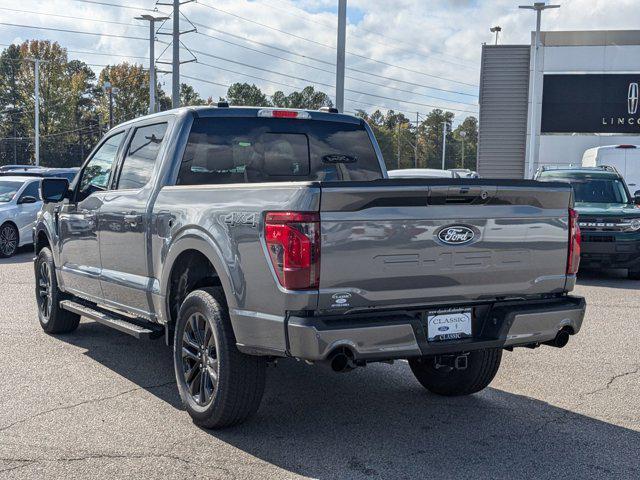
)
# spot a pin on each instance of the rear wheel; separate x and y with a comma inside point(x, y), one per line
point(8, 240)
point(53, 319)
point(481, 368)
point(219, 385)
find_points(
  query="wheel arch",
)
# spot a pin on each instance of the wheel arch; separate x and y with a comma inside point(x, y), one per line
point(192, 261)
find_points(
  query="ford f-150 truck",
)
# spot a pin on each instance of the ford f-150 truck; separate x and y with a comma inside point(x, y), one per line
point(243, 235)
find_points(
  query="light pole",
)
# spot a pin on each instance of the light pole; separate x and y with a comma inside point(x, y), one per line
point(538, 7)
point(152, 65)
point(444, 143)
point(497, 29)
point(111, 91)
point(462, 136)
point(340, 60)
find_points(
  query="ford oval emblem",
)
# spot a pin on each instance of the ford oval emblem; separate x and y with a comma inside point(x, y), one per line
point(456, 235)
point(443, 329)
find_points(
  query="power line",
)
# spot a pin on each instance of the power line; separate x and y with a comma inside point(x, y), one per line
point(347, 76)
point(88, 127)
point(107, 4)
point(299, 37)
point(332, 72)
point(64, 30)
point(313, 82)
point(45, 14)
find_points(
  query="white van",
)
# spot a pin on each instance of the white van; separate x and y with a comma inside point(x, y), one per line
point(625, 158)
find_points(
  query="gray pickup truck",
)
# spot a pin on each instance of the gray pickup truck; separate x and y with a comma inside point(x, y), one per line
point(243, 235)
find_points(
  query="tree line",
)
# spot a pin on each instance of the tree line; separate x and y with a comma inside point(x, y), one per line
point(74, 111)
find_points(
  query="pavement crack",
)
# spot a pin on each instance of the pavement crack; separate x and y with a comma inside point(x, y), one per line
point(84, 402)
point(613, 379)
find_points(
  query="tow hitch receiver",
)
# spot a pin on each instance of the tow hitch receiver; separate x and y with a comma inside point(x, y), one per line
point(451, 362)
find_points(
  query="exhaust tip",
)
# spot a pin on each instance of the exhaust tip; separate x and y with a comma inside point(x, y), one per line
point(561, 340)
point(342, 360)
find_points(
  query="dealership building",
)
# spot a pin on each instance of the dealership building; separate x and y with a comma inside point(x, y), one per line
point(585, 95)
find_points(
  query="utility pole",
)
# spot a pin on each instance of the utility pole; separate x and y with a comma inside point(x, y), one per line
point(152, 58)
point(175, 69)
point(175, 62)
point(538, 7)
point(444, 143)
point(37, 111)
point(340, 61)
point(497, 29)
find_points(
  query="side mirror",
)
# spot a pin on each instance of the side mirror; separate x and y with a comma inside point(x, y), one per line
point(27, 199)
point(53, 190)
point(636, 197)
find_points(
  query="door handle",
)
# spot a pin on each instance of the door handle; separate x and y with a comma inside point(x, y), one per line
point(133, 219)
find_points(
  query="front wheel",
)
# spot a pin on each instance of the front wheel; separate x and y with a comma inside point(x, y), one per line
point(481, 368)
point(218, 385)
point(53, 319)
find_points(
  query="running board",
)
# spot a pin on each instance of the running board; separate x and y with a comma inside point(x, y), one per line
point(122, 324)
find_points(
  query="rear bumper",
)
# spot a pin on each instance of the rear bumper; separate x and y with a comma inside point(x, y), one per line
point(392, 335)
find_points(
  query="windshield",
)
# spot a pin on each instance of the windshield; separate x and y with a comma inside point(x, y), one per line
point(599, 190)
point(8, 190)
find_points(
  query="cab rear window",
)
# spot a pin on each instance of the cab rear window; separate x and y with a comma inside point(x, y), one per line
point(251, 150)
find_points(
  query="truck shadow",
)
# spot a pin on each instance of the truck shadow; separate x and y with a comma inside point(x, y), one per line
point(607, 278)
point(378, 422)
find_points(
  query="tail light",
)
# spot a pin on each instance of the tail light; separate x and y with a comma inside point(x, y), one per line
point(573, 260)
point(293, 243)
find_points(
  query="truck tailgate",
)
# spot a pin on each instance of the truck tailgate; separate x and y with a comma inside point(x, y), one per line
point(416, 242)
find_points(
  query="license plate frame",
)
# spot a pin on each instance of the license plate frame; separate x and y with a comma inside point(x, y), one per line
point(449, 324)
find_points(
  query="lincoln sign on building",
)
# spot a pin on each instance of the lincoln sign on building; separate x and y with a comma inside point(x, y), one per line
point(587, 90)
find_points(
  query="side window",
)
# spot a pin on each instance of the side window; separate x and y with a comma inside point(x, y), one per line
point(32, 190)
point(141, 157)
point(95, 175)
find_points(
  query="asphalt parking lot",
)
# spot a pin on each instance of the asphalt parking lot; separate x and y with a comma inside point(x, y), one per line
point(99, 404)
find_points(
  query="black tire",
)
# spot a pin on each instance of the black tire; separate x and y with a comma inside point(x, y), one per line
point(53, 319)
point(229, 386)
point(9, 239)
point(633, 274)
point(482, 366)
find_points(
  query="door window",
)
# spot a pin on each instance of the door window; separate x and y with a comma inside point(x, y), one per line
point(142, 154)
point(32, 190)
point(95, 176)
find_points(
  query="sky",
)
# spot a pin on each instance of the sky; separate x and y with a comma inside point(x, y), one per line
point(407, 55)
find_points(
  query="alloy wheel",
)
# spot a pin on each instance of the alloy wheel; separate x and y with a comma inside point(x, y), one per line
point(45, 298)
point(8, 240)
point(200, 366)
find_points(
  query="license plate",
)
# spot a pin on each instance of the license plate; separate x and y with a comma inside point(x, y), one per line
point(449, 325)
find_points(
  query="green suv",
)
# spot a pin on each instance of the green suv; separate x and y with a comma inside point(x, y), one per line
point(609, 217)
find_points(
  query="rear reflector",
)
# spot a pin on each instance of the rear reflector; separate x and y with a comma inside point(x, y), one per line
point(293, 244)
point(626, 146)
point(270, 113)
point(573, 258)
